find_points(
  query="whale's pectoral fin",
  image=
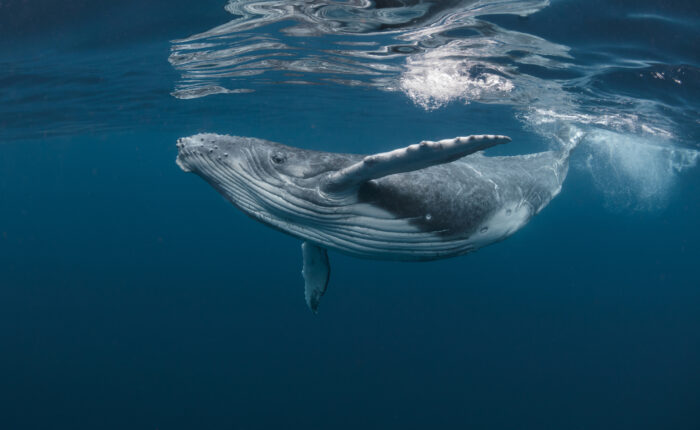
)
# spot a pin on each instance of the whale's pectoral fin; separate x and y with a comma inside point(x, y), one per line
point(414, 157)
point(316, 271)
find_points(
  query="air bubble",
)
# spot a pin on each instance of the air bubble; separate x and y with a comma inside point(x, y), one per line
point(428, 217)
point(484, 229)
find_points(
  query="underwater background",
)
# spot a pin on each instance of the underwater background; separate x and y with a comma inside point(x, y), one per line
point(132, 295)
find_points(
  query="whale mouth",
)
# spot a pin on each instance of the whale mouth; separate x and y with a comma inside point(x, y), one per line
point(198, 149)
point(180, 160)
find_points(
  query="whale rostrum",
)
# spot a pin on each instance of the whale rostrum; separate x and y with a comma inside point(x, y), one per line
point(426, 201)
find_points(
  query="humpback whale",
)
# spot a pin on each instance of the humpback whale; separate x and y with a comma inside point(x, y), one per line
point(430, 200)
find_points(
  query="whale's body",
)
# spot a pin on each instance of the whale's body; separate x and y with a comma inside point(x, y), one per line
point(427, 201)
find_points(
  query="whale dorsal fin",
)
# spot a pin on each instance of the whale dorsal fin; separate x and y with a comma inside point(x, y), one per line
point(414, 157)
point(316, 271)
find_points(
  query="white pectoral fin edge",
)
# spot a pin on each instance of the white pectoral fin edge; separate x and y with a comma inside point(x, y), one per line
point(414, 157)
point(316, 271)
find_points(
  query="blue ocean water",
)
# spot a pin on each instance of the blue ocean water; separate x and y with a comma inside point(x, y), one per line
point(132, 295)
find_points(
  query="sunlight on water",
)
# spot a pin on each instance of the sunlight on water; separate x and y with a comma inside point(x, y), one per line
point(434, 79)
point(437, 54)
point(357, 40)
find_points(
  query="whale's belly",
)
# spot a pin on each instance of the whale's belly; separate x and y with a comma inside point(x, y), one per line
point(390, 238)
point(439, 212)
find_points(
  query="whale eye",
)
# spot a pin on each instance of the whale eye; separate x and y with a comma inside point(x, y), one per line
point(278, 158)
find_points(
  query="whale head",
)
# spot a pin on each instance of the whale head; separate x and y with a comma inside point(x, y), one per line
point(272, 182)
point(205, 154)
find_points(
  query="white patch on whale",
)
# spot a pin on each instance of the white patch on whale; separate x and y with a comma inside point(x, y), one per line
point(502, 224)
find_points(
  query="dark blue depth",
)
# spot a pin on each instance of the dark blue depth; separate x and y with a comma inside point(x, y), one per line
point(132, 296)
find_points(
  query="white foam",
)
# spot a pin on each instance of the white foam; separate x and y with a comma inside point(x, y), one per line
point(634, 172)
point(621, 122)
point(431, 80)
